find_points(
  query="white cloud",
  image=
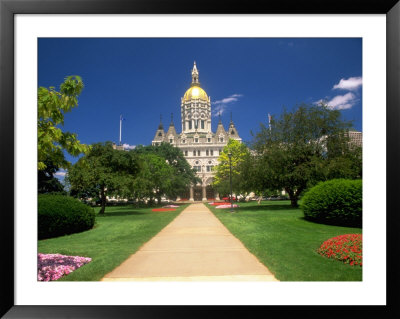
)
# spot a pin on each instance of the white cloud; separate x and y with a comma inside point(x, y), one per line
point(342, 102)
point(221, 105)
point(350, 84)
point(60, 173)
point(128, 147)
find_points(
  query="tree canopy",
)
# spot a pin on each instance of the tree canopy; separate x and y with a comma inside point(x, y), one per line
point(52, 105)
point(240, 157)
point(103, 172)
point(47, 183)
point(300, 148)
point(177, 178)
point(154, 178)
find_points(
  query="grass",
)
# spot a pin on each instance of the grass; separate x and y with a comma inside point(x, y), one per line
point(286, 243)
point(115, 236)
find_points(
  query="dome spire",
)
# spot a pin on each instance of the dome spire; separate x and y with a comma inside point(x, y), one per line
point(160, 126)
point(195, 75)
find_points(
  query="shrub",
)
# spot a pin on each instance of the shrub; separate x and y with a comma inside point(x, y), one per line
point(336, 202)
point(62, 215)
point(346, 248)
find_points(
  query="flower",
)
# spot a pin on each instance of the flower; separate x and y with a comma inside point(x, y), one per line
point(346, 248)
point(54, 266)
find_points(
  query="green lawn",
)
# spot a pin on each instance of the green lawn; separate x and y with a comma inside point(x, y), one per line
point(286, 243)
point(117, 235)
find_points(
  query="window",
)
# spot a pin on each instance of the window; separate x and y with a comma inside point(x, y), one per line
point(208, 168)
point(209, 140)
point(186, 153)
point(212, 153)
point(190, 125)
point(159, 134)
point(202, 124)
point(197, 168)
point(207, 152)
point(196, 140)
point(171, 140)
point(198, 153)
point(194, 153)
point(232, 132)
point(183, 141)
point(221, 139)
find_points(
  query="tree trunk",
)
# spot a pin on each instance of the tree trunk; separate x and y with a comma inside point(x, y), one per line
point(293, 201)
point(103, 201)
point(158, 198)
point(293, 197)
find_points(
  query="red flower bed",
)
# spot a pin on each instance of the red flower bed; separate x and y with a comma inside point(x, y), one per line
point(346, 248)
point(163, 209)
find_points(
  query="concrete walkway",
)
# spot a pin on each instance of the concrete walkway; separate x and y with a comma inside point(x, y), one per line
point(195, 246)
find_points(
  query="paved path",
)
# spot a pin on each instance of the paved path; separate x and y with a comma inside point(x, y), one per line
point(195, 246)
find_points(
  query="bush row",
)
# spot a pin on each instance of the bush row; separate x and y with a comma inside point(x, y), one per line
point(336, 202)
point(62, 215)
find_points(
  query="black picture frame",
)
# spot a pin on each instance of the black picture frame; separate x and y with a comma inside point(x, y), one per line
point(8, 10)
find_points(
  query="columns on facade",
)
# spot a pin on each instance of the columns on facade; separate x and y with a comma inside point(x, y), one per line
point(191, 194)
point(204, 193)
point(217, 196)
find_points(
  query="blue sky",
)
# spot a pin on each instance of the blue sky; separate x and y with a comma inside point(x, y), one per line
point(143, 78)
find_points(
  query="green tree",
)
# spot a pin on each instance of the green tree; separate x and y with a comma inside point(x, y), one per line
point(103, 172)
point(296, 150)
point(47, 183)
point(347, 165)
point(52, 105)
point(240, 158)
point(182, 175)
point(154, 178)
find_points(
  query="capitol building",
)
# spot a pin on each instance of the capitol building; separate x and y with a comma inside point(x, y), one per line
point(199, 144)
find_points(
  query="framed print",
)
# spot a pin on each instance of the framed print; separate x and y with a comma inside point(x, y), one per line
point(28, 29)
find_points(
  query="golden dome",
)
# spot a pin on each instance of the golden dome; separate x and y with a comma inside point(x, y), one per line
point(195, 92)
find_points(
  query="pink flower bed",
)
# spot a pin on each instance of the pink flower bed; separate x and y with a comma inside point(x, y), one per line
point(54, 266)
point(170, 206)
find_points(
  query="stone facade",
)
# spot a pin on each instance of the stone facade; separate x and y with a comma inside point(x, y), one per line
point(355, 138)
point(200, 146)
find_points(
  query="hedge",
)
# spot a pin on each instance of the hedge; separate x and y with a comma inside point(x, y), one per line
point(60, 215)
point(336, 202)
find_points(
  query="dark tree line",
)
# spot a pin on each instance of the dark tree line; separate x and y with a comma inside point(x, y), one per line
point(297, 150)
point(146, 172)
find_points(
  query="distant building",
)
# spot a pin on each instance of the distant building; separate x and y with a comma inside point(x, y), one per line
point(200, 146)
point(355, 138)
point(117, 147)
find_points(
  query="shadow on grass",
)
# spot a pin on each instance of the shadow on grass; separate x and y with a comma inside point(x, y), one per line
point(331, 223)
point(119, 213)
point(267, 207)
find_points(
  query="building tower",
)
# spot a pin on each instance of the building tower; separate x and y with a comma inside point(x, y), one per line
point(195, 107)
point(200, 146)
